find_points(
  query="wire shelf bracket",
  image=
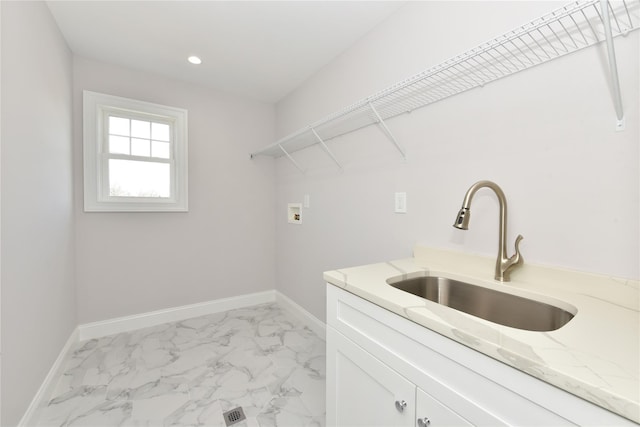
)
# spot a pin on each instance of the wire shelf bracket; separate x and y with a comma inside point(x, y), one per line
point(286, 153)
point(387, 131)
point(326, 149)
point(568, 29)
point(613, 66)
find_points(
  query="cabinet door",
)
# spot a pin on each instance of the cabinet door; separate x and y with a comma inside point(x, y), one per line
point(362, 391)
point(431, 413)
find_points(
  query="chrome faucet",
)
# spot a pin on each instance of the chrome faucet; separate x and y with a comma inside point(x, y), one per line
point(504, 264)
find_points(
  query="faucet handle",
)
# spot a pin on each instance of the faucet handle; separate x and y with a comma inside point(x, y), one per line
point(504, 274)
point(517, 258)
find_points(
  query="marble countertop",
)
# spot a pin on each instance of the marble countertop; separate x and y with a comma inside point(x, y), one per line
point(595, 356)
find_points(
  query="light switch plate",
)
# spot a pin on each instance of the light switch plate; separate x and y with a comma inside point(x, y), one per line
point(401, 203)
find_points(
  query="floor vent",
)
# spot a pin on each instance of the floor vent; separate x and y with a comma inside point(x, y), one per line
point(234, 416)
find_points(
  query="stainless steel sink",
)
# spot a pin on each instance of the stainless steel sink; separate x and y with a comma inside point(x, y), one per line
point(494, 306)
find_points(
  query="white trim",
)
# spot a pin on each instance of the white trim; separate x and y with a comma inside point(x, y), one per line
point(128, 323)
point(158, 317)
point(50, 381)
point(312, 322)
point(95, 109)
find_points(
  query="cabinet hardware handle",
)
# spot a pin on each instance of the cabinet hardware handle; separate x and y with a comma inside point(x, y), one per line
point(400, 405)
point(424, 422)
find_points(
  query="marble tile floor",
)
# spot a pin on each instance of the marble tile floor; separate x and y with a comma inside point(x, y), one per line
point(188, 373)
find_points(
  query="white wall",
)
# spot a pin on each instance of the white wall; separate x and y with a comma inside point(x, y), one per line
point(545, 135)
point(130, 263)
point(38, 293)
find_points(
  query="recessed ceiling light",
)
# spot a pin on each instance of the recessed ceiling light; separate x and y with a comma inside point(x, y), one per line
point(194, 60)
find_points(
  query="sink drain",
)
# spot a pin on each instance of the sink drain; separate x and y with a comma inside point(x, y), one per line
point(234, 416)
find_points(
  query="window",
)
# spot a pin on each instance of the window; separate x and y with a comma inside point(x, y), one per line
point(135, 155)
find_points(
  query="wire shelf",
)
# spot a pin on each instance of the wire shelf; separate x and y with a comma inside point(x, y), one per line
point(565, 30)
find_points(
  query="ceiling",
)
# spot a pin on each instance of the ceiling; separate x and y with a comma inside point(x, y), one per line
point(257, 49)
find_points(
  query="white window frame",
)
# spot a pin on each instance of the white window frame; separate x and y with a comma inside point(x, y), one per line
point(96, 109)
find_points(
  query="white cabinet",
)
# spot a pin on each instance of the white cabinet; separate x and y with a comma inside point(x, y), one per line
point(431, 413)
point(367, 393)
point(375, 358)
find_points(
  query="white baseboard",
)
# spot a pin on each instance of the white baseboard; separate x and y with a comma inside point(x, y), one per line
point(153, 318)
point(48, 385)
point(174, 314)
point(312, 322)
